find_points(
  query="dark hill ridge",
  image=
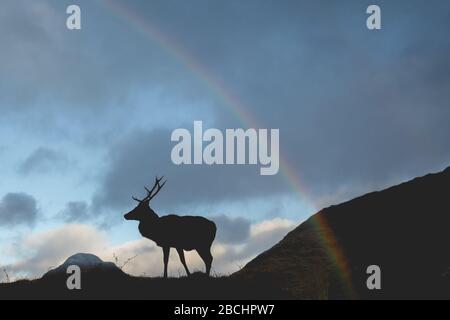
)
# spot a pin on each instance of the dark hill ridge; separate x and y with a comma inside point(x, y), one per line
point(404, 229)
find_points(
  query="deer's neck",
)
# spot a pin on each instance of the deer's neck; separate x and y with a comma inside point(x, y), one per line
point(148, 225)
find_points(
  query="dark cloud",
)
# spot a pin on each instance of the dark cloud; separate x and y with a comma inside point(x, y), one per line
point(356, 109)
point(64, 80)
point(232, 230)
point(75, 211)
point(134, 163)
point(17, 209)
point(44, 160)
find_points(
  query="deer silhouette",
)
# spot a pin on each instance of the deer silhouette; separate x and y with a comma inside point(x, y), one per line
point(184, 233)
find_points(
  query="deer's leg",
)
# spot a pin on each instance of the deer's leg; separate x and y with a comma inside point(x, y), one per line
point(166, 252)
point(183, 261)
point(207, 257)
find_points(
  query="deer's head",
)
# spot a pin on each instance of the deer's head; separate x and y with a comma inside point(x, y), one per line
point(143, 210)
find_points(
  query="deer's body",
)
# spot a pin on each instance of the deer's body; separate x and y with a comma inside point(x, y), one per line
point(184, 233)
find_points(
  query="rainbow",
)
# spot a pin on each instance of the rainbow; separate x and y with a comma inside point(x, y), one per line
point(239, 111)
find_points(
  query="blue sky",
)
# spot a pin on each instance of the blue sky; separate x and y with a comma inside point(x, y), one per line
point(87, 115)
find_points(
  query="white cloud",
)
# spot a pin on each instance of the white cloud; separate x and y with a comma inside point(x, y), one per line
point(270, 225)
point(36, 253)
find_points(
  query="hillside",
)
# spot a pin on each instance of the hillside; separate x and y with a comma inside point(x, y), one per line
point(404, 229)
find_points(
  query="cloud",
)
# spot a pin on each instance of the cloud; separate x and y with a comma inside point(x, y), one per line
point(64, 80)
point(351, 106)
point(139, 157)
point(17, 209)
point(44, 160)
point(75, 211)
point(231, 230)
point(38, 252)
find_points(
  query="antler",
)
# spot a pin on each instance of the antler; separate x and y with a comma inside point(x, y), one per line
point(158, 186)
point(150, 194)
